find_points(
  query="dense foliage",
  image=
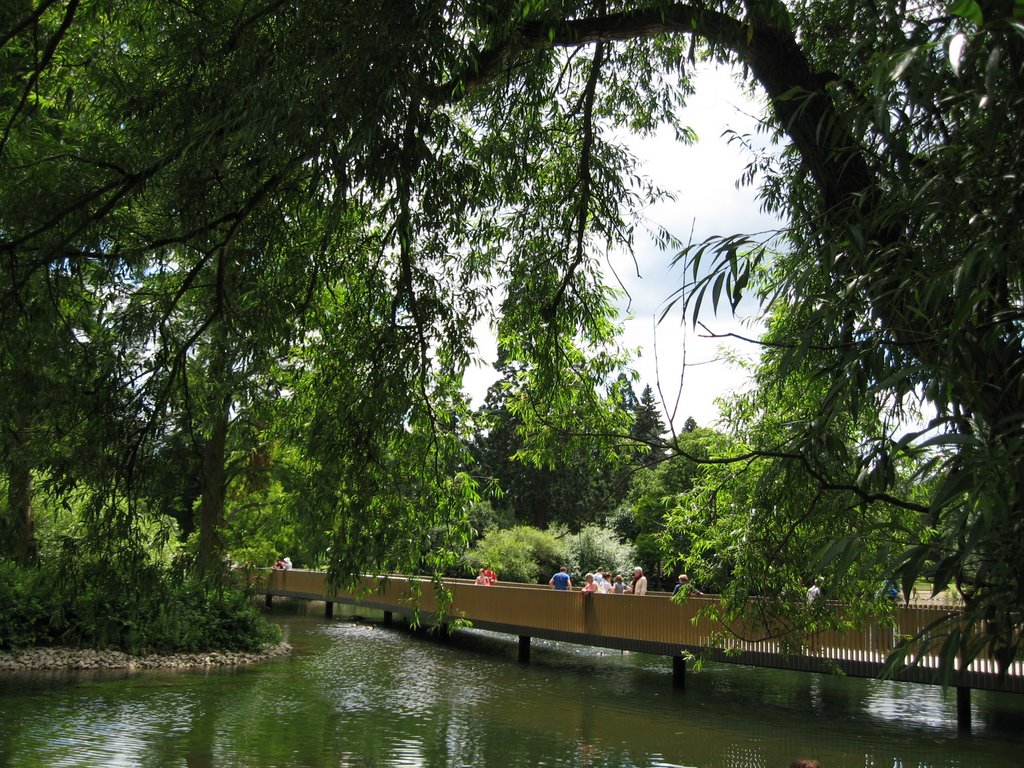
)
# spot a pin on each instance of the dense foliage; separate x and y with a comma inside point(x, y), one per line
point(521, 554)
point(103, 605)
point(890, 395)
point(529, 555)
point(245, 247)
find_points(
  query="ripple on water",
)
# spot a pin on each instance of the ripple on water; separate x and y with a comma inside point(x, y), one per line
point(106, 731)
point(371, 668)
point(359, 694)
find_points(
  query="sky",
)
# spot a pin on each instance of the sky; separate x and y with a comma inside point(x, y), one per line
point(683, 366)
point(680, 362)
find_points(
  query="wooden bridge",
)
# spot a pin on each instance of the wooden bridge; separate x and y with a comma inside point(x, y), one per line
point(649, 624)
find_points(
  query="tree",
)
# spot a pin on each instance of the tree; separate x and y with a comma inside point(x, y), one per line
point(456, 146)
point(524, 489)
point(899, 292)
point(578, 484)
point(595, 546)
point(646, 517)
point(649, 428)
point(778, 505)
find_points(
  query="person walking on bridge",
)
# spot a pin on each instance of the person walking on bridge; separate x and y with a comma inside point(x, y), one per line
point(561, 581)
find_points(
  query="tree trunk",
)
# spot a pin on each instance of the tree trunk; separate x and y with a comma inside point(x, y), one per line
point(214, 488)
point(20, 543)
point(211, 506)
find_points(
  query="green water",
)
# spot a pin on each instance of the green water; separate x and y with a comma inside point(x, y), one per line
point(359, 694)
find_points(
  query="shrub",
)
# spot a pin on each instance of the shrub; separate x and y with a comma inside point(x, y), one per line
point(126, 602)
point(596, 546)
point(198, 617)
point(24, 610)
point(521, 554)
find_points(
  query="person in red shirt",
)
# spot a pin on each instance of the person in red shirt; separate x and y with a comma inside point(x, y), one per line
point(492, 577)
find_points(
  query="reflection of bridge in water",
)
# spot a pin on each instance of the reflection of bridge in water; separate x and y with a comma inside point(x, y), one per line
point(650, 624)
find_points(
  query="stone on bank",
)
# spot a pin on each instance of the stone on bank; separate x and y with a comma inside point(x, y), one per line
point(89, 658)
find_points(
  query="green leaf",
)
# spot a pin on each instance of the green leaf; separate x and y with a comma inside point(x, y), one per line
point(968, 9)
point(950, 652)
point(902, 63)
point(834, 549)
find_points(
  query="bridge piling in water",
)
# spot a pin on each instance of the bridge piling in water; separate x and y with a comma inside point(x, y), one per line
point(524, 649)
point(678, 672)
point(963, 709)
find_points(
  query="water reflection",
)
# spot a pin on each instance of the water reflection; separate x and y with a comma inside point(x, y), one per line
point(358, 694)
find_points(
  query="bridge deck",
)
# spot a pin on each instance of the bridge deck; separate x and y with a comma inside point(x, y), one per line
point(649, 624)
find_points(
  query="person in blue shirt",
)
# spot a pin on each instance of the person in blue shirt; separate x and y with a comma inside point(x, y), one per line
point(684, 584)
point(561, 581)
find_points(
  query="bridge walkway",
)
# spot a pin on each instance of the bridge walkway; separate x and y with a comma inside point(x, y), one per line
point(650, 624)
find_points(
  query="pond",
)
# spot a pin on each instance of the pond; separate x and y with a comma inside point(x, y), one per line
point(357, 693)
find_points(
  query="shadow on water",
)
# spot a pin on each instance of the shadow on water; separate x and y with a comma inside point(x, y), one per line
point(357, 693)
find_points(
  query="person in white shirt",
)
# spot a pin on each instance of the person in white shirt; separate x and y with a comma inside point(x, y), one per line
point(639, 585)
point(814, 593)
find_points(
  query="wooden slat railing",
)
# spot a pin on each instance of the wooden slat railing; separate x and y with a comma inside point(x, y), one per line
point(651, 624)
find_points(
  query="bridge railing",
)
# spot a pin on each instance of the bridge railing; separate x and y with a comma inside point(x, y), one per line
point(653, 623)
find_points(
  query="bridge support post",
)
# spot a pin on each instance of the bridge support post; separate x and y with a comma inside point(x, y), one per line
point(963, 708)
point(268, 600)
point(678, 672)
point(329, 609)
point(387, 618)
point(524, 649)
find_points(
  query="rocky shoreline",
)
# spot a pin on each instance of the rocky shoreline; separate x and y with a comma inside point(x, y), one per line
point(89, 658)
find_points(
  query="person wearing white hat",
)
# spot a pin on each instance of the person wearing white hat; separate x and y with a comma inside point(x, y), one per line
point(639, 585)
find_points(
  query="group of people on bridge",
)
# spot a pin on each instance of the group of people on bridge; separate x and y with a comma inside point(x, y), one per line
point(486, 577)
point(600, 581)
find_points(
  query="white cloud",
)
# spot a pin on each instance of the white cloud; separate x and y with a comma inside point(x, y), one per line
point(680, 362)
point(683, 363)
